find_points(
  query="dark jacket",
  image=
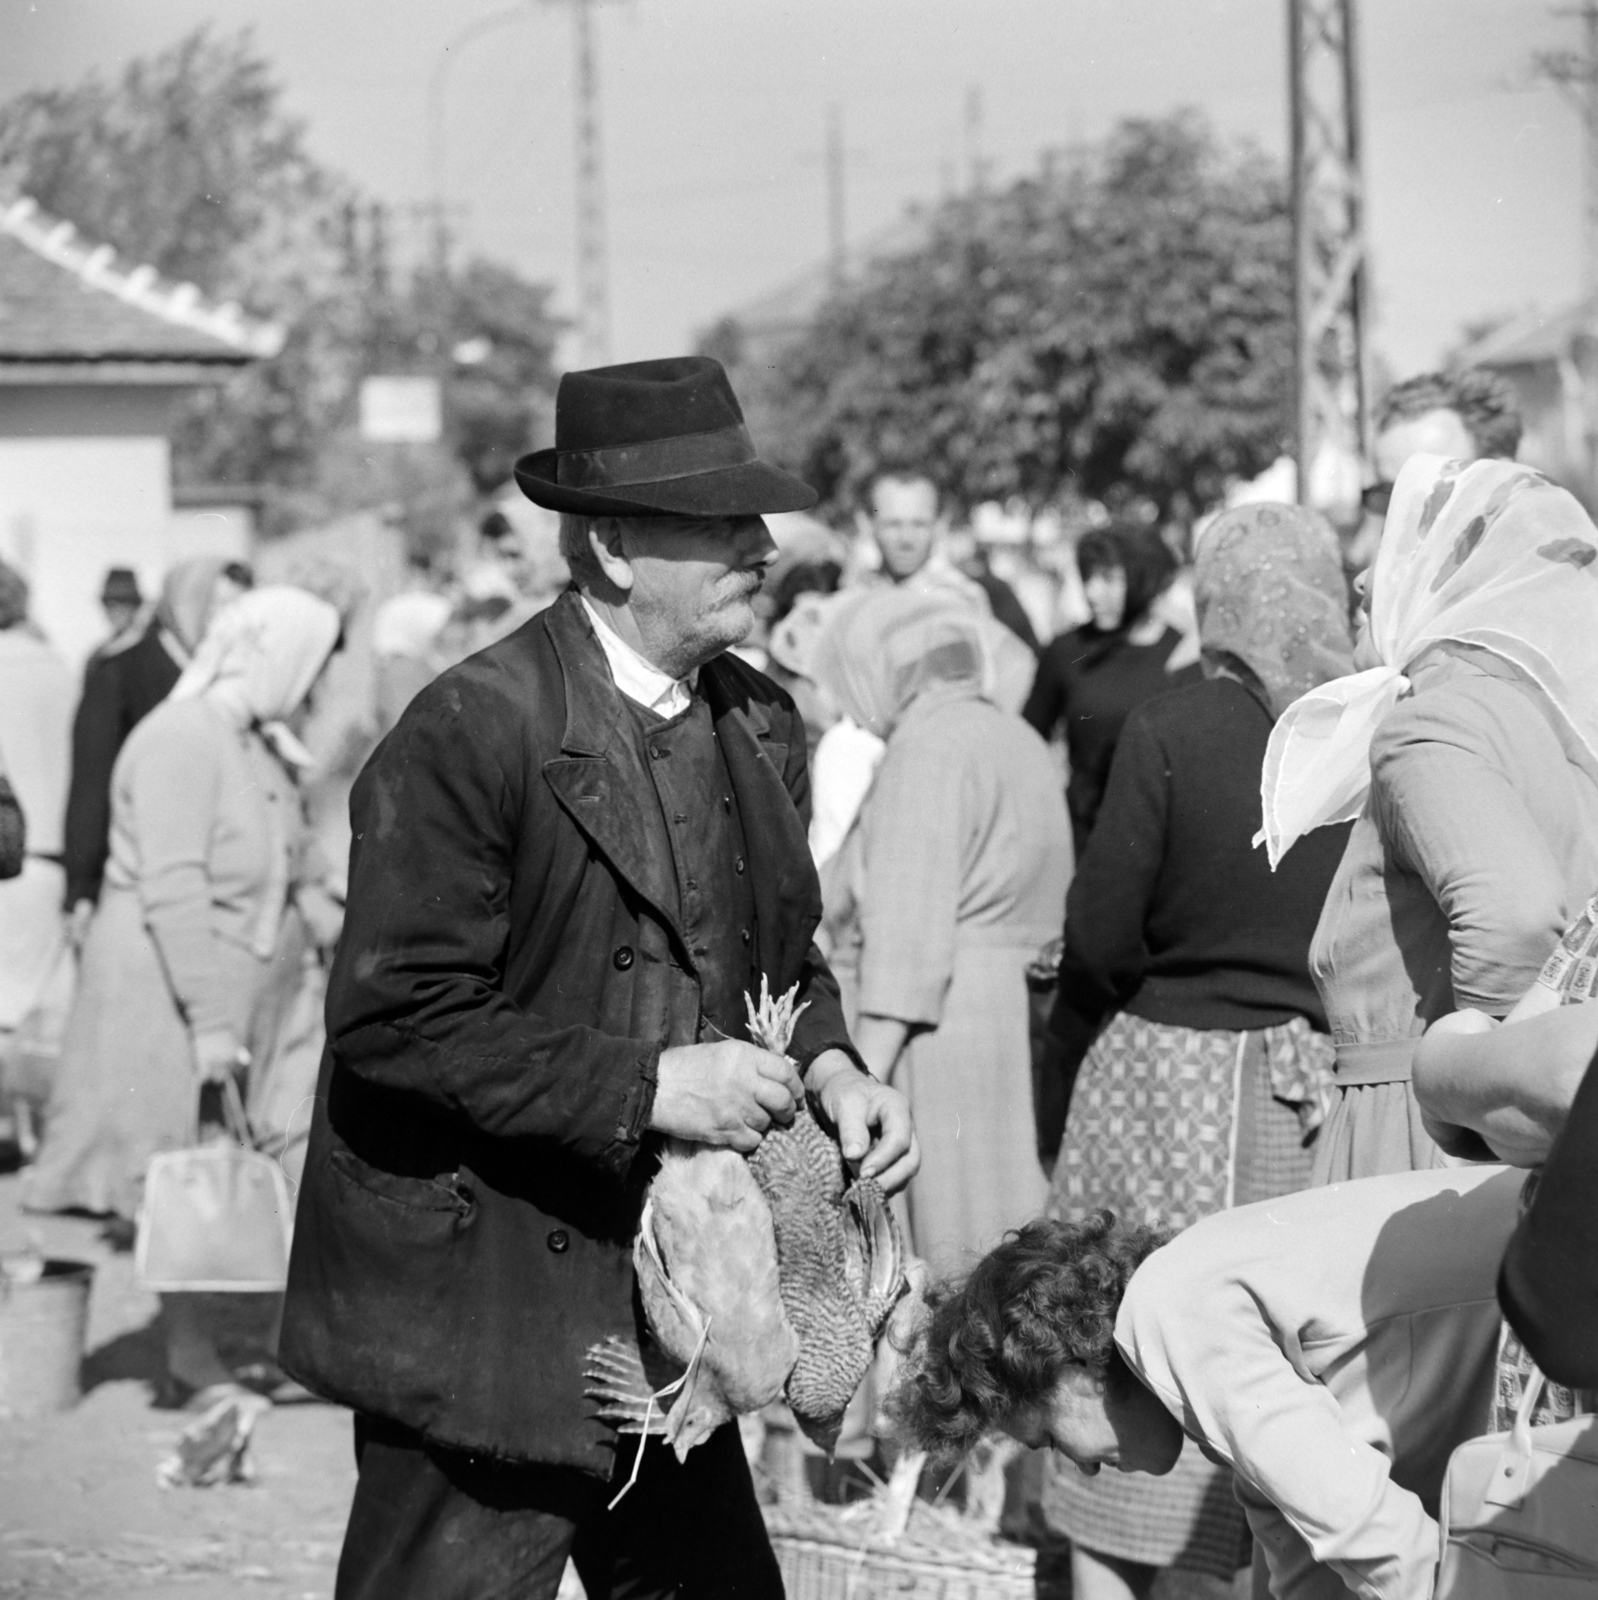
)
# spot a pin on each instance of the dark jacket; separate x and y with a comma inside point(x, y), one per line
point(121, 686)
point(511, 968)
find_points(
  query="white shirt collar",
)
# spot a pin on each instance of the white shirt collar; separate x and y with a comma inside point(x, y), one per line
point(640, 680)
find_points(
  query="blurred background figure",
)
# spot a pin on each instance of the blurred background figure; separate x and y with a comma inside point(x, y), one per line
point(123, 603)
point(1090, 679)
point(35, 962)
point(124, 681)
point(1185, 985)
point(1473, 773)
point(1465, 416)
point(407, 643)
point(189, 938)
point(910, 536)
point(951, 878)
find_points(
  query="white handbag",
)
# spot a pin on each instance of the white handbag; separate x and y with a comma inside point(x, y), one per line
point(1520, 1511)
point(216, 1217)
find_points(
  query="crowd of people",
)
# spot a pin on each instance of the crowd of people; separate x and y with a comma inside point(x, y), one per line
point(1287, 833)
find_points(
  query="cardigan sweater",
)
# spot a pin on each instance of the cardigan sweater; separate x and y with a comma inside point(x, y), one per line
point(1173, 915)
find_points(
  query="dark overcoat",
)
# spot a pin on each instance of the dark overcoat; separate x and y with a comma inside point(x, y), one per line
point(510, 970)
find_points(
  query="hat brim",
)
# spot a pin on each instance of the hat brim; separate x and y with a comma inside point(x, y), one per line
point(753, 489)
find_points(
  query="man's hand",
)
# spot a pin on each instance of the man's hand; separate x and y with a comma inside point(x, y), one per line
point(218, 1054)
point(726, 1093)
point(78, 920)
point(856, 1105)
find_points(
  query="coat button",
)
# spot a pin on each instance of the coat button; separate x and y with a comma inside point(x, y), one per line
point(559, 1241)
point(623, 958)
point(726, 804)
point(657, 752)
point(744, 935)
point(738, 866)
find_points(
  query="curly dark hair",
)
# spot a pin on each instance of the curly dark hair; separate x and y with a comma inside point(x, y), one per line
point(1485, 403)
point(1140, 552)
point(998, 1342)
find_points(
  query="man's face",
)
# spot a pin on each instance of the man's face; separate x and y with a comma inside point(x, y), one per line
point(120, 614)
point(904, 520)
point(693, 582)
point(1434, 433)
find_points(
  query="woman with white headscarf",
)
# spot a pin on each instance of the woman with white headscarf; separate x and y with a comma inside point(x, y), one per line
point(1467, 750)
point(205, 835)
point(953, 875)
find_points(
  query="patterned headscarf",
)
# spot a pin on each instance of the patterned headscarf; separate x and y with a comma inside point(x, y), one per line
point(259, 659)
point(1268, 585)
point(883, 647)
point(1489, 554)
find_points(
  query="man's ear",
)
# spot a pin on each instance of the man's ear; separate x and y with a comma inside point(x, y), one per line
point(604, 541)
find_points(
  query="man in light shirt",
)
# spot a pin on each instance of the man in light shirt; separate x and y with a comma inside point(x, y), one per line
point(575, 854)
point(1332, 1347)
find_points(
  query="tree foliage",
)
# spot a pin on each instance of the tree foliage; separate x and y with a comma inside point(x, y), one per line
point(189, 162)
point(1118, 329)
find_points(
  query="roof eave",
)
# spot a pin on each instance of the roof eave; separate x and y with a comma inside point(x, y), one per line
point(119, 371)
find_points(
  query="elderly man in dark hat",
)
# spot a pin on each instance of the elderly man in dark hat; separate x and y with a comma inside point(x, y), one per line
point(573, 856)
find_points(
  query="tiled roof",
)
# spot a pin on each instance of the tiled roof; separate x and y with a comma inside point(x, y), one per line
point(1533, 337)
point(64, 300)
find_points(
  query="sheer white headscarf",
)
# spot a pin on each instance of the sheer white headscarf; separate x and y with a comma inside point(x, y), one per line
point(1489, 554)
point(260, 657)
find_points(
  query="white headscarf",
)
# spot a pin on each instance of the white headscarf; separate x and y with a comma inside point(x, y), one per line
point(260, 657)
point(1489, 554)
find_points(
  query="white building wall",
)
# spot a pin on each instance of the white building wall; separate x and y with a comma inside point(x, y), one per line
point(85, 484)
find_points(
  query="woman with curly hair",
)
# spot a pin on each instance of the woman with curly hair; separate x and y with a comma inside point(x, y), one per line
point(1331, 1348)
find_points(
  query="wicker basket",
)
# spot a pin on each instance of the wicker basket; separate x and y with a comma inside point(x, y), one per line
point(840, 1563)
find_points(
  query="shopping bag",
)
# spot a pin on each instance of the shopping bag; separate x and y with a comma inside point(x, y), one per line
point(1520, 1511)
point(215, 1217)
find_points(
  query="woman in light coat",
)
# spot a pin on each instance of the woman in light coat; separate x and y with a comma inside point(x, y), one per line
point(205, 836)
point(952, 877)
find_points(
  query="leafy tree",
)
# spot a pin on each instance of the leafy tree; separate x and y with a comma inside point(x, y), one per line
point(1118, 329)
point(189, 162)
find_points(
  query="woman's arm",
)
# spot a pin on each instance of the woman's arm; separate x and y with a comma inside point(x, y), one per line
point(1449, 813)
point(168, 793)
point(1513, 1085)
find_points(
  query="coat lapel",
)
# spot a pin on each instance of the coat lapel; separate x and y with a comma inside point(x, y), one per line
point(787, 895)
point(600, 778)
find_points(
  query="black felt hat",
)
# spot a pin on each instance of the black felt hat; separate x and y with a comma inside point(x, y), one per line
point(655, 436)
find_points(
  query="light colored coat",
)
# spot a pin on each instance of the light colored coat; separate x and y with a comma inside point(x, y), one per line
point(954, 876)
point(1333, 1347)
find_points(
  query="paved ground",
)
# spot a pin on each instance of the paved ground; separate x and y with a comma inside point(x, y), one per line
point(82, 1514)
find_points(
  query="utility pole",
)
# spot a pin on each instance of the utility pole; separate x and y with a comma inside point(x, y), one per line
point(1576, 72)
point(1329, 259)
point(976, 168)
point(837, 224)
point(593, 271)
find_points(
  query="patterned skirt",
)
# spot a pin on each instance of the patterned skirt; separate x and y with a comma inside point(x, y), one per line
point(1166, 1126)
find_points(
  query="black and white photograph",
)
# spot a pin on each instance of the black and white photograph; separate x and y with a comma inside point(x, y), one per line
point(798, 799)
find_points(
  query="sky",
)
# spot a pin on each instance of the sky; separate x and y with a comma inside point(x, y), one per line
point(714, 117)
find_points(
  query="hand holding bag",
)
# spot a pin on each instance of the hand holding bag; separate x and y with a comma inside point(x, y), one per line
point(1520, 1511)
point(216, 1217)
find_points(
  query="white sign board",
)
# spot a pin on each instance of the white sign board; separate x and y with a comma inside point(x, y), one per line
point(401, 410)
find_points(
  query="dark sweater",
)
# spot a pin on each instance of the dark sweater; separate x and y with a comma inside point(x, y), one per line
point(120, 688)
point(1092, 681)
point(1173, 915)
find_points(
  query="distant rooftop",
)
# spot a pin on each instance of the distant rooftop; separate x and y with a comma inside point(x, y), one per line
point(1533, 337)
point(64, 302)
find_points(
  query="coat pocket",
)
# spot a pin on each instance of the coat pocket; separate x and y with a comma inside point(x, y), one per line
point(377, 1284)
